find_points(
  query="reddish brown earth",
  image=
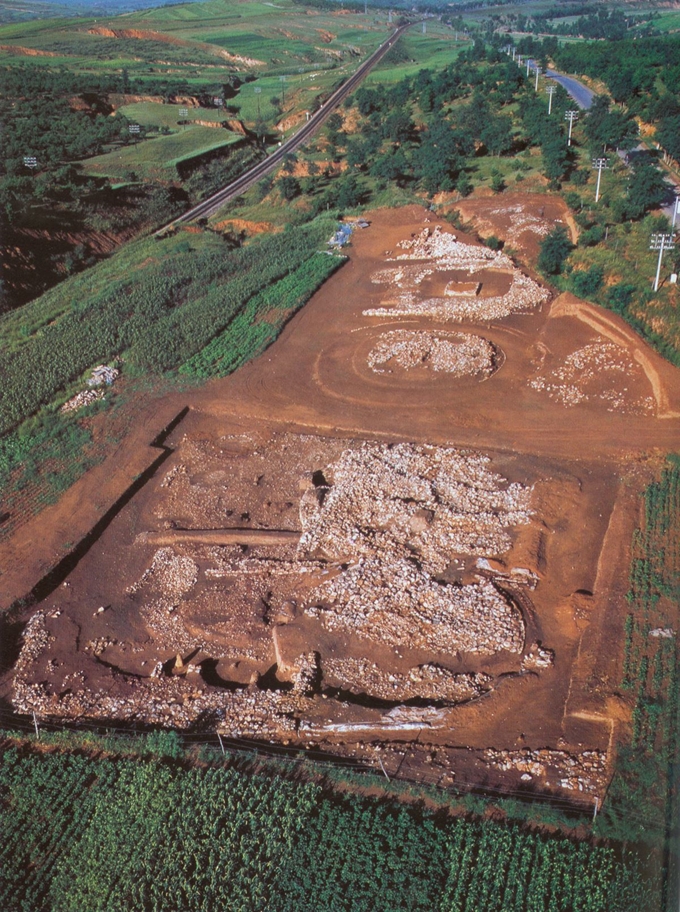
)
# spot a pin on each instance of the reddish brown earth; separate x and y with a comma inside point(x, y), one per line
point(243, 616)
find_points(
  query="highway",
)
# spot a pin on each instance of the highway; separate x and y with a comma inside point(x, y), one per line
point(240, 185)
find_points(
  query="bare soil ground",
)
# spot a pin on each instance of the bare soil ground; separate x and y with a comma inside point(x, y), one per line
point(419, 564)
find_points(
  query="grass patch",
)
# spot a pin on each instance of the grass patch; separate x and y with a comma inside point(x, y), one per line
point(157, 158)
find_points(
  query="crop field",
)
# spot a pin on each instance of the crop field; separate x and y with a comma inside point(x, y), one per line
point(435, 49)
point(151, 114)
point(157, 158)
point(104, 833)
point(127, 313)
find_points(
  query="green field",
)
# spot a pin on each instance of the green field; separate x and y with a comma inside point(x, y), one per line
point(157, 158)
point(151, 114)
point(117, 834)
point(433, 50)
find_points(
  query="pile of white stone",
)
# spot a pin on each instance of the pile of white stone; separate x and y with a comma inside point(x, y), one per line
point(584, 772)
point(449, 253)
point(523, 296)
point(597, 363)
point(402, 276)
point(525, 221)
point(432, 501)
point(459, 354)
point(80, 400)
point(430, 681)
point(445, 254)
point(158, 700)
point(392, 600)
point(165, 582)
point(538, 657)
point(172, 574)
point(396, 515)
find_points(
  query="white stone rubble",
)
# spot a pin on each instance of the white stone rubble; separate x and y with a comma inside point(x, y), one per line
point(395, 516)
point(585, 771)
point(459, 354)
point(595, 371)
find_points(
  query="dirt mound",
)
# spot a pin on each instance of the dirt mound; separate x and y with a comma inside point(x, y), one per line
point(598, 370)
point(27, 52)
point(250, 228)
point(522, 220)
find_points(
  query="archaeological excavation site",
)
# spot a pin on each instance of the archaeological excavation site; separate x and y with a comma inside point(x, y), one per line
point(396, 537)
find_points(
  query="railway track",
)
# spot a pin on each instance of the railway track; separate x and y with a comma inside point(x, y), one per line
point(261, 169)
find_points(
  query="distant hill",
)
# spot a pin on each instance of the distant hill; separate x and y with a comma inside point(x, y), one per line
point(22, 10)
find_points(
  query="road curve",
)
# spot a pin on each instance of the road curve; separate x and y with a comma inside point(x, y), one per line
point(240, 185)
point(582, 95)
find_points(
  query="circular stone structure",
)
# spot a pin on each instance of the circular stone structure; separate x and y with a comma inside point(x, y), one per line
point(458, 354)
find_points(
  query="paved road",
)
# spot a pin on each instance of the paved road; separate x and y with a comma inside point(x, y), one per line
point(582, 95)
point(306, 131)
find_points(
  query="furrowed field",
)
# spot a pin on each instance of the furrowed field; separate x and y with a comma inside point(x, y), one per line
point(161, 314)
point(109, 834)
point(640, 796)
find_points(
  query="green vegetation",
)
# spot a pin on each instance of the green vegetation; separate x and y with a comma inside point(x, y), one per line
point(159, 157)
point(159, 313)
point(638, 805)
point(555, 248)
point(103, 834)
point(261, 320)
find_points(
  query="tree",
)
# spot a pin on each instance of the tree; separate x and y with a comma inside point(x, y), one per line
point(555, 248)
point(610, 127)
point(349, 194)
point(646, 187)
point(289, 187)
point(668, 135)
point(464, 184)
point(497, 134)
point(587, 282)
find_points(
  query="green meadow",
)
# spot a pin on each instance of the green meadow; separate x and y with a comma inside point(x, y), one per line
point(157, 158)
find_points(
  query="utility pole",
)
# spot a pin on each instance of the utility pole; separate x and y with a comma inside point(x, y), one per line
point(258, 91)
point(514, 52)
point(551, 91)
point(538, 73)
point(528, 66)
point(37, 730)
point(219, 737)
point(661, 242)
point(596, 808)
point(675, 210)
point(571, 116)
point(600, 164)
point(424, 27)
point(283, 91)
